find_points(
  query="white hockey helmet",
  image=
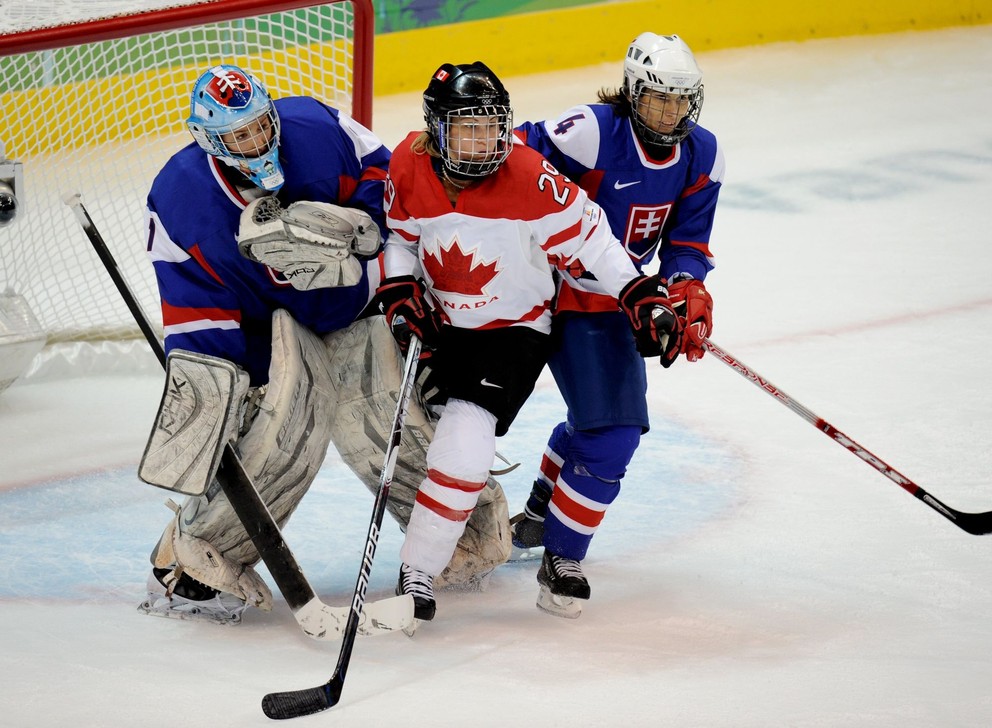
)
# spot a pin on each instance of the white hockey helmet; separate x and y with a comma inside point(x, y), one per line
point(227, 99)
point(662, 64)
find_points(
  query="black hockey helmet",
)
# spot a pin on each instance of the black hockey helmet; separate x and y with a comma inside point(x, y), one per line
point(469, 90)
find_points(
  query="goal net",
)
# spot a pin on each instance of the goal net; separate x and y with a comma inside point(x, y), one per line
point(94, 100)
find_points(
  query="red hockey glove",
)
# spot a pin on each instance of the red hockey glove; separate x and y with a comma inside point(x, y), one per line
point(657, 330)
point(694, 307)
point(401, 299)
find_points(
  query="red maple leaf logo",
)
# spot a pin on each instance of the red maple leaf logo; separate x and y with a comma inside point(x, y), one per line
point(453, 271)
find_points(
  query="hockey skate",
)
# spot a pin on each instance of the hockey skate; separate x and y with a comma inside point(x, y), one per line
point(186, 598)
point(419, 585)
point(526, 533)
point(527, 528)
point(562, 585)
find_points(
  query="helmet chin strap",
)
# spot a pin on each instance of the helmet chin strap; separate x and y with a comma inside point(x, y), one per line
point(458, 184)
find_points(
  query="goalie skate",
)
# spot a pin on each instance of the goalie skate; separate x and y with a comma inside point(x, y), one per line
point(188, 599)
point(526, 534)
point(527, 527)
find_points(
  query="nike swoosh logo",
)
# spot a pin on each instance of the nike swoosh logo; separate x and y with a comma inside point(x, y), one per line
point(619, 186)
point(485, 383)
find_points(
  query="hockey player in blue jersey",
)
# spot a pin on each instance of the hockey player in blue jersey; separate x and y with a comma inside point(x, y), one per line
point(258, 173)
point(214, 299)
point(641, 155)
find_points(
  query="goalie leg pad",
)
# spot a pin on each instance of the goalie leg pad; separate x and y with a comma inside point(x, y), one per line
point(368, 367)
point(282, 452)
point(197, 417)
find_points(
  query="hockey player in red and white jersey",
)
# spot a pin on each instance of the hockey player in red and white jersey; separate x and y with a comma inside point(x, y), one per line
point(479, 229)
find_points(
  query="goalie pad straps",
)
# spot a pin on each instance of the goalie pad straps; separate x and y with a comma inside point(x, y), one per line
point(198, 558)
point(282, 452)
point(369, 368)
point(310, 243)
point(197, 416)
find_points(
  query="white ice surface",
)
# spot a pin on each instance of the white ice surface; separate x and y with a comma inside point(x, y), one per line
point(752, 573)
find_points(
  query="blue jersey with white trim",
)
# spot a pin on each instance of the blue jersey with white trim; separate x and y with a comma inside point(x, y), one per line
point(663, 206)
point(215, 301)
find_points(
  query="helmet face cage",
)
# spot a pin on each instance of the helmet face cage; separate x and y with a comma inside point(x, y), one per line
point(233, 118)
point(474, 141)
point(469, 119)
point(646, 102)
point(656, 69)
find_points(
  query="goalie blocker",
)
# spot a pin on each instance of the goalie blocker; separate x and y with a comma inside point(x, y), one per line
point(199, 413)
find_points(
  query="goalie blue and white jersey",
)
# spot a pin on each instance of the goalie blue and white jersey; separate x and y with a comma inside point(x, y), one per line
point(654, 206)
point(216, 302)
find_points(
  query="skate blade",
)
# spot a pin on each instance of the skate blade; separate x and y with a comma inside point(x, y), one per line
point(518, 555)
point(558, 606)
point(190, 613)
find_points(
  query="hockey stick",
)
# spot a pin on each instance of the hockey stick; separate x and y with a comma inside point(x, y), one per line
point(974, 523)
point(318, 620)
point(296, 703)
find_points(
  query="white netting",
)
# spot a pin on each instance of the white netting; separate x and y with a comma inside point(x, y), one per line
point(102, 118)
point(19, 15)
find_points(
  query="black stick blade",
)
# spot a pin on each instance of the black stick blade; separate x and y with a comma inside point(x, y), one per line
point(977, 524)
point(297, 703)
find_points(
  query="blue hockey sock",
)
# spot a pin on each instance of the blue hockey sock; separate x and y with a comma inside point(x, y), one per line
point(588, 483)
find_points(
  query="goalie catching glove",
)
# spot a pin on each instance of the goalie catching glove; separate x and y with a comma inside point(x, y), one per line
point(694, 307)
point(657, 330)
point(313, 244)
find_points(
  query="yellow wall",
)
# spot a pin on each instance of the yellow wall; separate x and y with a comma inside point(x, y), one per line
point(48, 118)
point(514, 45)
point(582, 36)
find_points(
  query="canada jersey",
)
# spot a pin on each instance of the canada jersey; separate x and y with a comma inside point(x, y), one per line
point(653, 205)
point(488, 260)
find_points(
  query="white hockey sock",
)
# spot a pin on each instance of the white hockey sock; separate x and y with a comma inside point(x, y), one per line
point(458, 463)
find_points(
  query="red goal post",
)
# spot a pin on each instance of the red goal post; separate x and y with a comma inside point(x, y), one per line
point(97, 104)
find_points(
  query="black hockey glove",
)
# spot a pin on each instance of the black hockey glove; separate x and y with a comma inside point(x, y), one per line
point(401, 299)
point(657, 330)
